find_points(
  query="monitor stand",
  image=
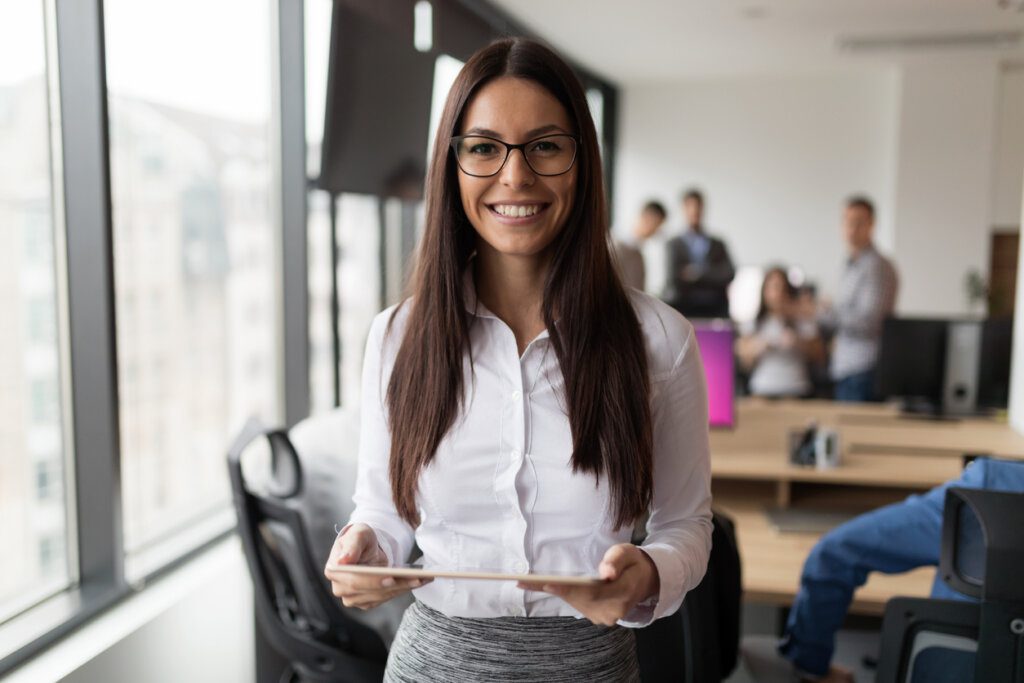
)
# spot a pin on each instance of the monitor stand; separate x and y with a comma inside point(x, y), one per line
point(924, 409)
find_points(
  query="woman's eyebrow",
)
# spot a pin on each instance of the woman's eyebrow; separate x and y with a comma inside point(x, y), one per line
point(550, 128)
point(476, 130)
point(482, 131)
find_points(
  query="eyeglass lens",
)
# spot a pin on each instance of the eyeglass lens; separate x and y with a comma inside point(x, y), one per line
point(549, 155)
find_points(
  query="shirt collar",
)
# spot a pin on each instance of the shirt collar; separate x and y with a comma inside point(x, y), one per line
point(866, 251)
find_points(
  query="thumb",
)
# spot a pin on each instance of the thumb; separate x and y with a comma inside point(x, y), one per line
point(615, 561)
point(352, 544)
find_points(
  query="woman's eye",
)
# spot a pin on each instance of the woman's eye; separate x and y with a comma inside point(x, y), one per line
point(483, 148)
point(544, 146)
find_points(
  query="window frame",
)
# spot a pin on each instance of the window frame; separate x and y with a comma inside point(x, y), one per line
point(83, 241)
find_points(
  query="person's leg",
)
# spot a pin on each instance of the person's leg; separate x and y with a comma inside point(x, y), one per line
point(892, 539)
point(858, 387)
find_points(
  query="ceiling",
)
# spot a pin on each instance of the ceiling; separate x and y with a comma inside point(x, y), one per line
point(635, 41)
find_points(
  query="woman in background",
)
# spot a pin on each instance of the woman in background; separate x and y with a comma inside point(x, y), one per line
point(782, 344)
point(521, 410)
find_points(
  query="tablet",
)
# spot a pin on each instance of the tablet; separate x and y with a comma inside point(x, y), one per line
point(416, 572)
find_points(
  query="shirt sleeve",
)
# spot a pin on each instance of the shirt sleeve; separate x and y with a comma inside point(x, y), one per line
point(374, 505)
point(679, 528)
point(721, 272)
point(862, 314)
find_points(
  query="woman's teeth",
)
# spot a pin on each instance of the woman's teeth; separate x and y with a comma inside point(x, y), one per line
point(516, 211)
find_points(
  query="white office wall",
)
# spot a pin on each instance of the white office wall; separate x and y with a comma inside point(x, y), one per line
point(775, 157)
point(1009, 152)
point(944, 183)
point(939, 148)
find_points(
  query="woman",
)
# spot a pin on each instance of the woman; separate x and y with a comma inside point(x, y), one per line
point(520, 410)
point(782, 344)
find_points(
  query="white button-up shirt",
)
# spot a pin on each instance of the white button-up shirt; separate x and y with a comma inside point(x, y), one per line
point(500, 493)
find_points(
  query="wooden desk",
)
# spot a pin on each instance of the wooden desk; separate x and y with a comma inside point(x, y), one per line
point(884, 458)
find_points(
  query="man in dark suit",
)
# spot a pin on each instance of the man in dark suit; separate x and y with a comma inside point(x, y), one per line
point(699, 267)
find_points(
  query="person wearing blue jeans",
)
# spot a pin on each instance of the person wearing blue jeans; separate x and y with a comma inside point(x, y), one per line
point(858, 387)
point(892, 539)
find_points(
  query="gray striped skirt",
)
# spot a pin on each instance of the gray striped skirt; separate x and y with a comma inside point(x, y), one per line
point(430, 646)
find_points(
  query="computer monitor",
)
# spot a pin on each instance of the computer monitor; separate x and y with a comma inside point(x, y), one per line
point(912, 362)
point(946, 366)
point(715, 340)
point(994, 367)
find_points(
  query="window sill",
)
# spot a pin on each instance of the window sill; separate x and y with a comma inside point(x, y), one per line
point(58, 636)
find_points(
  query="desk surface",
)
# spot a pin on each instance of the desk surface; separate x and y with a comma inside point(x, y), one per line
point(762, 426)
point(772, 561)
point(884, 457)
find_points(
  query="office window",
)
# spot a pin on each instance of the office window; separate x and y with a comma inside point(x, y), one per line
point(358, 278)
point(48, 479)
point(595, 100)
point(359, 282)
point(374, 237)
point(196, 246)
point(33, 527)
point(321, 336)
point(358, 230)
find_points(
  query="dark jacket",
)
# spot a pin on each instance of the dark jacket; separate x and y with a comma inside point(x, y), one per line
point(703, 294)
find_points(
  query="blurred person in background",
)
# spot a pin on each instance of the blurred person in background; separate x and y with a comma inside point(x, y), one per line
point(640, 257)
point(866, 296)
point(782, 342)
point(699, 267)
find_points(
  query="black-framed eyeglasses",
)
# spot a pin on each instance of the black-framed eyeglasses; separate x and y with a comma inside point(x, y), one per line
point(481, 156)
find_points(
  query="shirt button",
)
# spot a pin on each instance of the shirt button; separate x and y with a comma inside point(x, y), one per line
point(522, 567)
point(514, 612)
point(516, 454)
point(516, 395)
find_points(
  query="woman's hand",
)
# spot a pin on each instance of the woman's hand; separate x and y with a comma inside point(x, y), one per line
point(630, 577)
point(358, 545)
point(750, 348)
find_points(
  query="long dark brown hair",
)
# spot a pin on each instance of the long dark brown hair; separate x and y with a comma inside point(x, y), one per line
point(791, 291)
point(597, 339)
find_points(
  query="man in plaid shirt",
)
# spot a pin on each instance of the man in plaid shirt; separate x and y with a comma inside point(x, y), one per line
point(866, 296)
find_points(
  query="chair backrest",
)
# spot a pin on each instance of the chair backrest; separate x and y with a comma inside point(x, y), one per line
point(700, 642)
point(959, 642)
point(327, 447)
point(928, 641)
point(998, 517)
point(294, 606)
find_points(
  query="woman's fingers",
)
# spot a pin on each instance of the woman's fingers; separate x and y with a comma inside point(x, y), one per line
point(357, 544)
point(606, 603)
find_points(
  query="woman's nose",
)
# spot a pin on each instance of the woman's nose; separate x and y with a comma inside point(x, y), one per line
point(516, 172)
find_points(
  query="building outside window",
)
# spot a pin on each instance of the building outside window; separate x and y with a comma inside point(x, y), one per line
point(196, 247)
point(34, 531)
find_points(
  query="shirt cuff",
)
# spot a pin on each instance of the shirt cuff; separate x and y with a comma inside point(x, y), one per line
point(670, 578)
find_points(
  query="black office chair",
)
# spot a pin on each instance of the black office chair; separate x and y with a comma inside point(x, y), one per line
point(700, 642)
point(295, 609)
point(935, 641)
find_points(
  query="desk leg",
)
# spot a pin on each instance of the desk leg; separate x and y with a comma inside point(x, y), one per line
point(783, 495)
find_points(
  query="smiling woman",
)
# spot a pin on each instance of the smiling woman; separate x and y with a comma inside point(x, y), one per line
point(519, 374)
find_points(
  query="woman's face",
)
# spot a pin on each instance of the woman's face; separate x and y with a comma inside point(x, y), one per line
point(516, 212)
point(775, 295)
